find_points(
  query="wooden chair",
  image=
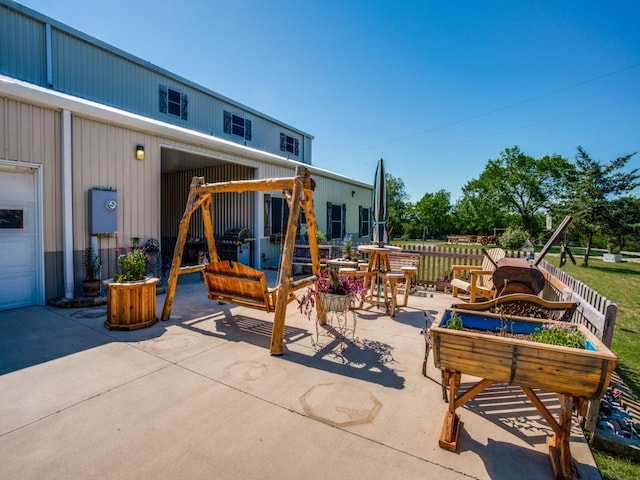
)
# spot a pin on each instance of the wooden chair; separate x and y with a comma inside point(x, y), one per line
point(406, 263)
point(231, 282)
point(480, 281)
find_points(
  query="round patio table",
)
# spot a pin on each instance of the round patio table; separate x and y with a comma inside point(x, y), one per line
point(375, 276)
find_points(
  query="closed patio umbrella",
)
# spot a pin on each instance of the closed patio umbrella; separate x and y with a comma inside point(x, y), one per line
point(380, 235)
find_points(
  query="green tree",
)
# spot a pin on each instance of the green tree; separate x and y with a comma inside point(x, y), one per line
point(520, 185)
point(397, 208)
point(623, 219)
point(433, 214)
point(476, 214)
point(589, 192)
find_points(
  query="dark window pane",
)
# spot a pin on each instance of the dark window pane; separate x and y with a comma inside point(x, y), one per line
point(174, 96)
point(238, 125)
point(279, 219)
point(237, 130)
point(174, 109)
point(174, 103)
point(290, 144)
point(336, 222)
point(11, 218)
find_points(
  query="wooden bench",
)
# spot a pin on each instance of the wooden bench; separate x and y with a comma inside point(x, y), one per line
point(238, 284)
point(461, 238)
point(302, 255)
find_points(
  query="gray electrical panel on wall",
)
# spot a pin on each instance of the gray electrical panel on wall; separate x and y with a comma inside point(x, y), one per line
point(103, 212)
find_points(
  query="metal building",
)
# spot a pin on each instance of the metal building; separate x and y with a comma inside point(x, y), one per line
point(81, 120)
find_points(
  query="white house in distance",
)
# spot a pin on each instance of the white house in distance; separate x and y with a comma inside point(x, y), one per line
point(98, 147)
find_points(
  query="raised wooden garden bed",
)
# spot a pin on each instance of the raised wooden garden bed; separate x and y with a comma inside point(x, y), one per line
point(577, 375)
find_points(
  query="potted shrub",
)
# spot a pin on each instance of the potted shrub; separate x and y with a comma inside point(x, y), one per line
point(347, 246)
point(330, 292)
point(92, 265)
point(613, 255)
point(132, 266)
point(131, 297)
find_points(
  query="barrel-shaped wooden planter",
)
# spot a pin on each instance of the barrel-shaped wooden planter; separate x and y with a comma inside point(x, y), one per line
point(580, 373)
point(131, 305)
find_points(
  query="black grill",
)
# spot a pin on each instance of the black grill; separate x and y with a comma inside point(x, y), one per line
point(234, 245)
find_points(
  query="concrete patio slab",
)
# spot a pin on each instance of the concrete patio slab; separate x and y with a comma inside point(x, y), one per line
point(199, 396)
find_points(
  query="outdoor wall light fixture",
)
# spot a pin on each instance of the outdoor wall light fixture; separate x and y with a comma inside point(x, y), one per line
point(353, 193)
point(139, 152)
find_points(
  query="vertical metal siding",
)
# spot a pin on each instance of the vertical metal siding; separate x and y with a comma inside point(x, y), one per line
point(103, 157)
point(90, 72)
point(228, 210)
point(22, 47)
point(30, 133)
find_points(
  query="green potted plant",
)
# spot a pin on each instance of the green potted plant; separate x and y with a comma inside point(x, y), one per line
point(347, 246)
point(329, 292)
point(613, 253)
point(92, 265)
point(132, 266)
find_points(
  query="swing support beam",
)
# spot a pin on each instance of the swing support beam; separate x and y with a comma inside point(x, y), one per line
point(298, 192)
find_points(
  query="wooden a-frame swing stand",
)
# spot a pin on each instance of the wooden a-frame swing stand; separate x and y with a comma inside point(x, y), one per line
point(230, 282)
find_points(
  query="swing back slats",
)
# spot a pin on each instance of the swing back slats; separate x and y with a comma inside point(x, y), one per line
point(232, 282)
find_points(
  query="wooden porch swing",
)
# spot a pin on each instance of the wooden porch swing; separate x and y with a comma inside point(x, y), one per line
point(231, 282)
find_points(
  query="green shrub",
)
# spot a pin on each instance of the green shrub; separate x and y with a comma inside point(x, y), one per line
point(513, 238)
point(133, 266)
point(566, 336)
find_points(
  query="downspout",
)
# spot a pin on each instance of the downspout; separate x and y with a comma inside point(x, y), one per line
point(67, 207)
point(258, 222)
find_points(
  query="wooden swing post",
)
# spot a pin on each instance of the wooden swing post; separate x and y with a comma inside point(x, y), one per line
point(193, 202)
point(284, 280)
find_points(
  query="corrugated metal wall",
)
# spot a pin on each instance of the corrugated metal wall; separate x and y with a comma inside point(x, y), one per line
point(95, 71)
point(84, 70)
point(150, 204)
point(30, 133)
point(22, 47)
point(103, 157)
point(228, 210)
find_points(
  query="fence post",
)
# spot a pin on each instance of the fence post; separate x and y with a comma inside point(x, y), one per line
point(609, 322)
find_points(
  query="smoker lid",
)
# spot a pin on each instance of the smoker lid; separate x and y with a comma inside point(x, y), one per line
point(240, 234)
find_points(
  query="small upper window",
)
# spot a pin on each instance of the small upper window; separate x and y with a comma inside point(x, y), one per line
point(237, 125)
point(173, 102)
point(289, 144)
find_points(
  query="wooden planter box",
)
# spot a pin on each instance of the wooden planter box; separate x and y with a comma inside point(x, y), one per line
point(131, 305)
point(579, 373)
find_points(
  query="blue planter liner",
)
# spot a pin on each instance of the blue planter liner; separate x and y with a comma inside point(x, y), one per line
point(493, 324)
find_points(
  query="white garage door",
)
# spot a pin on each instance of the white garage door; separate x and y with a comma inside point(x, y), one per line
point(18, 245)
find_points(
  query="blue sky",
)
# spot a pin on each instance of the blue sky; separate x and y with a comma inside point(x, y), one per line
point(435, 88)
